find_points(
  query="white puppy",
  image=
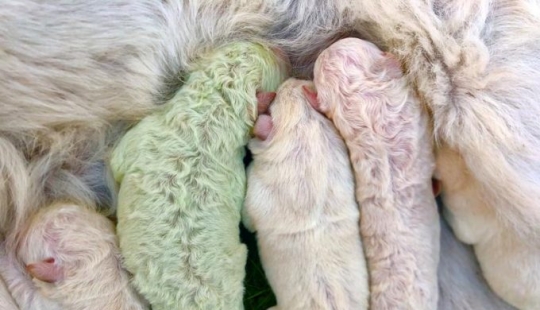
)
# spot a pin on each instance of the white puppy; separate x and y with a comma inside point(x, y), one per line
point(300, 201)
point(474, 65)
point(72, 254)
point(386, 131)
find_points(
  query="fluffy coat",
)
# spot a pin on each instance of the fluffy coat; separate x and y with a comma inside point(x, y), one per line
point(182, 182)
point(300, 201)
point(73, 73)
point(473, 64)
point(386, 131)
point(72, 254)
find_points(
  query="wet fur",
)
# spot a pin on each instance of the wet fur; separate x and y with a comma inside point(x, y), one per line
point(300, 201)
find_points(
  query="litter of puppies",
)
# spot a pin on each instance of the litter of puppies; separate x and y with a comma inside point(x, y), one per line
point(124, 125)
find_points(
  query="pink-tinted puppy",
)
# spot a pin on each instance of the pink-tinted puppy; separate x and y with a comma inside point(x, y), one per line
point(386, 131)
point(71, 252)
point(300, 201)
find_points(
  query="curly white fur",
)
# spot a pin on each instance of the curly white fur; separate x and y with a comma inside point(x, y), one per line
point(364, 93)
point(473, 64)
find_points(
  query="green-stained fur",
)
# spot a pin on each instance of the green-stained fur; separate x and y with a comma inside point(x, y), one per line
point(182, 183)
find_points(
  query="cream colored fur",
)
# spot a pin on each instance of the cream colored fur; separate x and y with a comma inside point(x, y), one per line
point(87, 272)
point(24, 291)
point(300, 201)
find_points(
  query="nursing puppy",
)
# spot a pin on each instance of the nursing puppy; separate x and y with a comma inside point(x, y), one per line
point(94, 65)
point(461, 56)
point(363, 92)
point(71, 252)
point(300, 201)
point(182, 182)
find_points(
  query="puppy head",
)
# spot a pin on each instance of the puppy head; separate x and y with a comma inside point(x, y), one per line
point(64, 247)
point(352, 67)
point(285, 117)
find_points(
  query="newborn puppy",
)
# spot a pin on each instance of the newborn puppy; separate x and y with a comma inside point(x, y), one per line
point(362, 90)
point(182, 182)
point(71, 252)
point(300, 201)
point(96, 64)
point(474, 65)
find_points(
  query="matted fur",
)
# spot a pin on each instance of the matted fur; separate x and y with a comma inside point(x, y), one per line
point(300, 201)
point(87, 271)
point(182, 182)
point(362, 90)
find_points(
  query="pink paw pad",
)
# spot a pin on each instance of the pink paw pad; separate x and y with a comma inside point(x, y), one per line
point(45, 270)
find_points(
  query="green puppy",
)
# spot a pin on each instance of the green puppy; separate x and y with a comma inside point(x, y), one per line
point(182, 182)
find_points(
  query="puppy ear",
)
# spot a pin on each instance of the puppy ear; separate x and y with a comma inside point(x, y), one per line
point(46, 270)
point(263, 127)
point(311, 97)
point(264, 99)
